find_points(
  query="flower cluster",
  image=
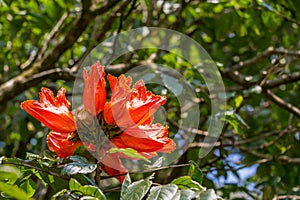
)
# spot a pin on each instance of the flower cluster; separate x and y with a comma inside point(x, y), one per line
point(126, 119)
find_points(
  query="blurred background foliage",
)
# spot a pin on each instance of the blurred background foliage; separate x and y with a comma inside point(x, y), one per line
point(255, 44)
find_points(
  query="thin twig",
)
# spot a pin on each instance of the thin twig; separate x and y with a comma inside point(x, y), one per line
point(21, 82)
point(148, 171)
point(121, 21)
point(115, 42)
point(264, 54)
point(36, 168)
point(280, 102)
point(97, 37)
point(260, 136)
point(286, 78)
point(52, 34)
point(286, 197)
point(273, 141)
point(47, 41)
point(267, 158)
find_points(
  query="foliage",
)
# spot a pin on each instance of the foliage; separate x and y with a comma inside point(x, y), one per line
point(81, 186)
point(255, 46)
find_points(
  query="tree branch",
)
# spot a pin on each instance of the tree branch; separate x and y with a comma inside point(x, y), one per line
point(36, 168)
point(234, 73)
point(97, 37)
point(286, 197)
point(264, 54)
point(286, 78)
point(281, 158)
point(50, 36)
point(280, 102)
point(18, 84)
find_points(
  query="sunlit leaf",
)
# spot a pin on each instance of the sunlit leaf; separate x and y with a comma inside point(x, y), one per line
point(78, 168)
point(128, 152)
point(236, 121)
point(28, 186)
point(9, 174)
point(58, 194)
point(13, 191)
point(156, 164)
point(136, 190)
point(79, 159)
point(195, 173)
point(186, 194)
point(164, 192)
point(208, 195)
point(238, 101)
point(186, 182)
point(86, 190)
point(125, 185)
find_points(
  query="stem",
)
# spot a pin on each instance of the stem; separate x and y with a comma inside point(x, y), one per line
point(98, 172)
point(148, 171)
point(36, 168)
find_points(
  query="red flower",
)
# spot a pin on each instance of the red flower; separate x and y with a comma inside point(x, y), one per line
point(120, 144)
point(130, 107)
point(94, 94)
point(59, 143)
point(127, 119)
point(53, 112)
point(132, 110)
point(148, 138)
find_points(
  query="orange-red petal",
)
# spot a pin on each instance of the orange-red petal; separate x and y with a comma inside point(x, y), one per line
point(130, 107)
point(120, 144)
point(59, 143)
point(94, 94)
point(61, 99)
point(112, 165)
point(47, 97)
point(53, 112)
point(143, 104)
point(149, 138)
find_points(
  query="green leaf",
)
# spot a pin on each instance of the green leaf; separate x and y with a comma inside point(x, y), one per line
point(32, 156)
point(84, 179)
point(9, 174)
point(10, 160)
point(28, 186)
point(80, 166)
point(74, 184)
point(156, 164)
point(49, 155)
point(271, 20)
point(186, 182)
point(59, 194)
point(164, 192)
point(238, 101)
point(136, 190)
point(195, 173)
point(186, 194)
point(125, 185)
point(128, 152)
point(235, 120)
point(13, 191)
point(45, 177)
point(56, 183)
point(27, 173)
point(79, 159)
point(208, 195)
point(86, 190)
